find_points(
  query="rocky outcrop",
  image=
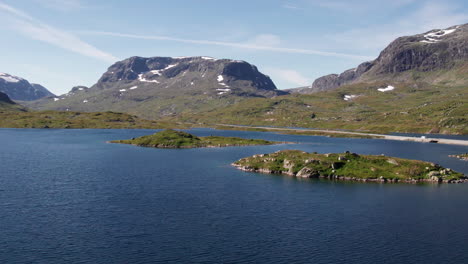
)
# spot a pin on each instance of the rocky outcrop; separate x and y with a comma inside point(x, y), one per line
point(307, 172)
point(463, 157)
point(20, 89)
point(78, 88)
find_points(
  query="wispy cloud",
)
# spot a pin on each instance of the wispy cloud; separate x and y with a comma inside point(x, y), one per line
point(62, 5)
point(36, 29)
point(291, 6)
point(358, 6)
point(269, 40)
point(230, 44)
point(290, 76)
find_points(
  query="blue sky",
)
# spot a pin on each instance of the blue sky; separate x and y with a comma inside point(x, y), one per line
point(63, 43)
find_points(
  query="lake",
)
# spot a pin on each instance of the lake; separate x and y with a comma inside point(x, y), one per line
point(67, 196)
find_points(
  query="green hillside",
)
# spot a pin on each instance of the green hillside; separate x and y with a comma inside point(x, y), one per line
point(410, 107)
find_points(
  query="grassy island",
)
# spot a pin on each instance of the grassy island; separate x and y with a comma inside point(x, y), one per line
point(348, 166)
point(177, 139)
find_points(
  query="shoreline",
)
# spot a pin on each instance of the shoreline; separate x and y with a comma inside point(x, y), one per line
point(372, 135)
point(349, 179)
point(209, 146)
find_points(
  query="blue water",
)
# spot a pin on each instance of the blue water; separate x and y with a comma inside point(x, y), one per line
point(66, 196)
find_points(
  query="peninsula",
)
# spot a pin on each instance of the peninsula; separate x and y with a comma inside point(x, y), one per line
point(170, 138)
point(348, 166)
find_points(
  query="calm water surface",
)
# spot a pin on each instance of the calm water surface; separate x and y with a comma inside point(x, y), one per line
point(66, 196)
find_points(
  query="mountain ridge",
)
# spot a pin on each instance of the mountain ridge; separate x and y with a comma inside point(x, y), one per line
point(20, 89)
point(407, 58)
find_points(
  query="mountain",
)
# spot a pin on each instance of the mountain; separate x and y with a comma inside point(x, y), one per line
point(20, 89)
point(417, 84)
point(164, 86)
point(438, 56)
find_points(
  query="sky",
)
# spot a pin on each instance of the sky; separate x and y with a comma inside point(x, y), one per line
point(64, 43)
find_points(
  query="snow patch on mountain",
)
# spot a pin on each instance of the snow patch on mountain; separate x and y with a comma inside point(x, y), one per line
point(349, 97)
point(435, 36)
point(143, 79)
point(386, 89)
point(10, 78)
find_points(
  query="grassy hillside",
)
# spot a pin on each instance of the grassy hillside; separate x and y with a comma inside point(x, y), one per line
point(145, 101)
point(55, 119)
point(410, 107)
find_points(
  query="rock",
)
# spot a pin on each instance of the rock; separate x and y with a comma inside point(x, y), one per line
point(307, 173)
point(433, 173)
point(287, 164)
point(392, 161)
point(336, 165)
point(436, 179)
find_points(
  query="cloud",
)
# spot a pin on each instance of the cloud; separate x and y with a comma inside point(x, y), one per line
point(230, 44)
point(35, 29)
point(290, 76)
point(269, 40)
point(62, 5)
point(359, 6)
point(291, 6)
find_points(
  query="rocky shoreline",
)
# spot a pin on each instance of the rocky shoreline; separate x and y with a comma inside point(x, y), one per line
point(345, 178)
point(324, 169)
point(463, 157)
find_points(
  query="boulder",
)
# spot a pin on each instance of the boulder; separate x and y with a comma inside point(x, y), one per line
point(307, 172)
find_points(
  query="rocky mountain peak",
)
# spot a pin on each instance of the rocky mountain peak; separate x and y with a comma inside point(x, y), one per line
point(437, 49)
point(236, 76)
point(18, 88)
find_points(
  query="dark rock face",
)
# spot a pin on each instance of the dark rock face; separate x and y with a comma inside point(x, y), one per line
point(217, 76)
point(20, 89)
point(430, 51)
point(5, 99)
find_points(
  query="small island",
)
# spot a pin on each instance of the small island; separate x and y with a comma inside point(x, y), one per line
point(348, 166)
point(170, 138)
point(463, 156)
